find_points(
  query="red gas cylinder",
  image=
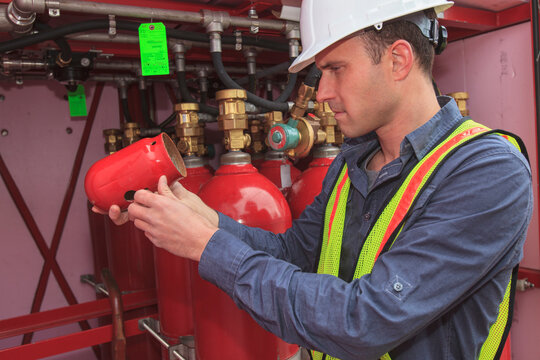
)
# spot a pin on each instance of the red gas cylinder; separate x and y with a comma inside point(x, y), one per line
point(222, 331)
point(309, 183)
point(257, 159)
point(173, 272)
point(279, 170)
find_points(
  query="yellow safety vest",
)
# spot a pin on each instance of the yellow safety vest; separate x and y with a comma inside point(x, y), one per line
point(392, 218)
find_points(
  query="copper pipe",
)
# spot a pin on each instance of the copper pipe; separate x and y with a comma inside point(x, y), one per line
point(51, 253)
point(118, 341)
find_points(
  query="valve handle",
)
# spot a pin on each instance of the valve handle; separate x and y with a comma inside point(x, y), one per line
point(282, 137)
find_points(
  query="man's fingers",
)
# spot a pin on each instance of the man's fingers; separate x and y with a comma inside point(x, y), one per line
point(178, 190)
point(138, 211)
point(98, 210)
point(164, 189)
point(117, 216)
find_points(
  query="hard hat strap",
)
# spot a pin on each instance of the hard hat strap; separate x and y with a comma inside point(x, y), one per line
point(430, 28)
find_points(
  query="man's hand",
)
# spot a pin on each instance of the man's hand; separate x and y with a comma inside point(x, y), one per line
point(178, 222)
point(117, 216)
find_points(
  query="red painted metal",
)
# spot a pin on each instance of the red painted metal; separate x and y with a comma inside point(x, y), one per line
point(281, 172)
point(113, 179)
point(70, 314)
point(221, 328)
point(196, 178)
point(532, 275)
point(308, 185)
point(99, 247)
point(173, 273)
point(67, 343)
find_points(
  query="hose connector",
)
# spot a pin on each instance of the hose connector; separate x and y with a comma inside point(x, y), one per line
point(215, 22)
point(294, 41)
point(179, 51)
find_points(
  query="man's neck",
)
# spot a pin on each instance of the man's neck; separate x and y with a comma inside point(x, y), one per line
point(409, 116)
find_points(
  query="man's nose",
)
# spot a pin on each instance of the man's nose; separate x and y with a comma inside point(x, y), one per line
point(325, 91)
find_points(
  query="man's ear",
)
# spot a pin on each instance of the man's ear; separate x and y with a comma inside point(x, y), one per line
point(402, 59)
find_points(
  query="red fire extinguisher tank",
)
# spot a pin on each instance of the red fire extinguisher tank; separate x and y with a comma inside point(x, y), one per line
point(173, 272)
point(279, 170)
point(222, 331)
point(309, 183)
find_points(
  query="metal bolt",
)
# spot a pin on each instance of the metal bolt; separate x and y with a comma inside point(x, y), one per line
point(85, 62)
point(4, 132)
point(2, 97)
point(69, 130)
point(54, 12)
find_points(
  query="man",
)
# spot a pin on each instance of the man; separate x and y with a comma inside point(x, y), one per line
point(437, 281)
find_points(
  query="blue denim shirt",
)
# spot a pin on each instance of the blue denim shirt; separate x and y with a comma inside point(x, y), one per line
point(453, 258)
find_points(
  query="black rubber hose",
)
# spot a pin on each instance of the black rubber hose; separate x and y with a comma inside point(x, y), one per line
point(65, 49)
point(62, 31)
point(252, 98)
point(252, 84)
point(125, 110)
point(313, 76)
point(168, 120)
point(204, 97)
point(186, 96)
point(143, 95)
point(266, 72)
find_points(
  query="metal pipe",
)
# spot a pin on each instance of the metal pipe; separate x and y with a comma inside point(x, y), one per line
point(118, 341)
point(89, 279)
point(204, 17)
point(148, 324)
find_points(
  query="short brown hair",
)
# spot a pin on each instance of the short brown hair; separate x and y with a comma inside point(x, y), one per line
point(377, 41)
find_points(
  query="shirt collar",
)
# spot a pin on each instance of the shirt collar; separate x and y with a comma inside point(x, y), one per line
point(426, 136)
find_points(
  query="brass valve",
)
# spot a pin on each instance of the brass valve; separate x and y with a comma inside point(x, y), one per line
point(256, 130)
point(113, 140)
point(305, 94)
point(461, 98)
point(270, 119)
point(232, 118)
point(189, 131)
point(132, 133)
point(327, 121)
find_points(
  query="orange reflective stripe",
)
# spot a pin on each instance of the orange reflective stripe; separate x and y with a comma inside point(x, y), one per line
point(411, 189)
point(336, 202)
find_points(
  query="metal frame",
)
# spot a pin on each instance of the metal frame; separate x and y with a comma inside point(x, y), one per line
point(70, 314)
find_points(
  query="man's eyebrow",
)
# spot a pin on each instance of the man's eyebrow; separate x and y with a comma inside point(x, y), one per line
point(329, 65)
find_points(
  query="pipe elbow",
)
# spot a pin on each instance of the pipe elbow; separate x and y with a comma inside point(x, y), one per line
point(30, 6)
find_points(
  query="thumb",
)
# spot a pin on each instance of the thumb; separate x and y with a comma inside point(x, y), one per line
point(163, 187)
point(178, 190)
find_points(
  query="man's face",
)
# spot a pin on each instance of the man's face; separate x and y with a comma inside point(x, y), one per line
point(359, 92)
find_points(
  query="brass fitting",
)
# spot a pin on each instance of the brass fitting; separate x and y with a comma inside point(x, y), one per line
point(232, 118)
point(132, 133)
point(113, 140)
point(272, 118)
point(189, 131)
point(327, 121)
point(256, 130)
point(305, 94)
point(461, 98)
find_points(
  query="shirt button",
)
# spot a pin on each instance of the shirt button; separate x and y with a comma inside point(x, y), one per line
point(398, 286)
point(367, 216)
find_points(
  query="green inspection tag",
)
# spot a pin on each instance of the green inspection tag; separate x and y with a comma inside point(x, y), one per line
point(153, 45)
point(77, 102)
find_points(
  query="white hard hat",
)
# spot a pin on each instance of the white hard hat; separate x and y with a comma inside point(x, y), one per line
point(324, 22)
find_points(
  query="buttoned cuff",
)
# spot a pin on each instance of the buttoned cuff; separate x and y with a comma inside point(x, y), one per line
point(221, 260)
